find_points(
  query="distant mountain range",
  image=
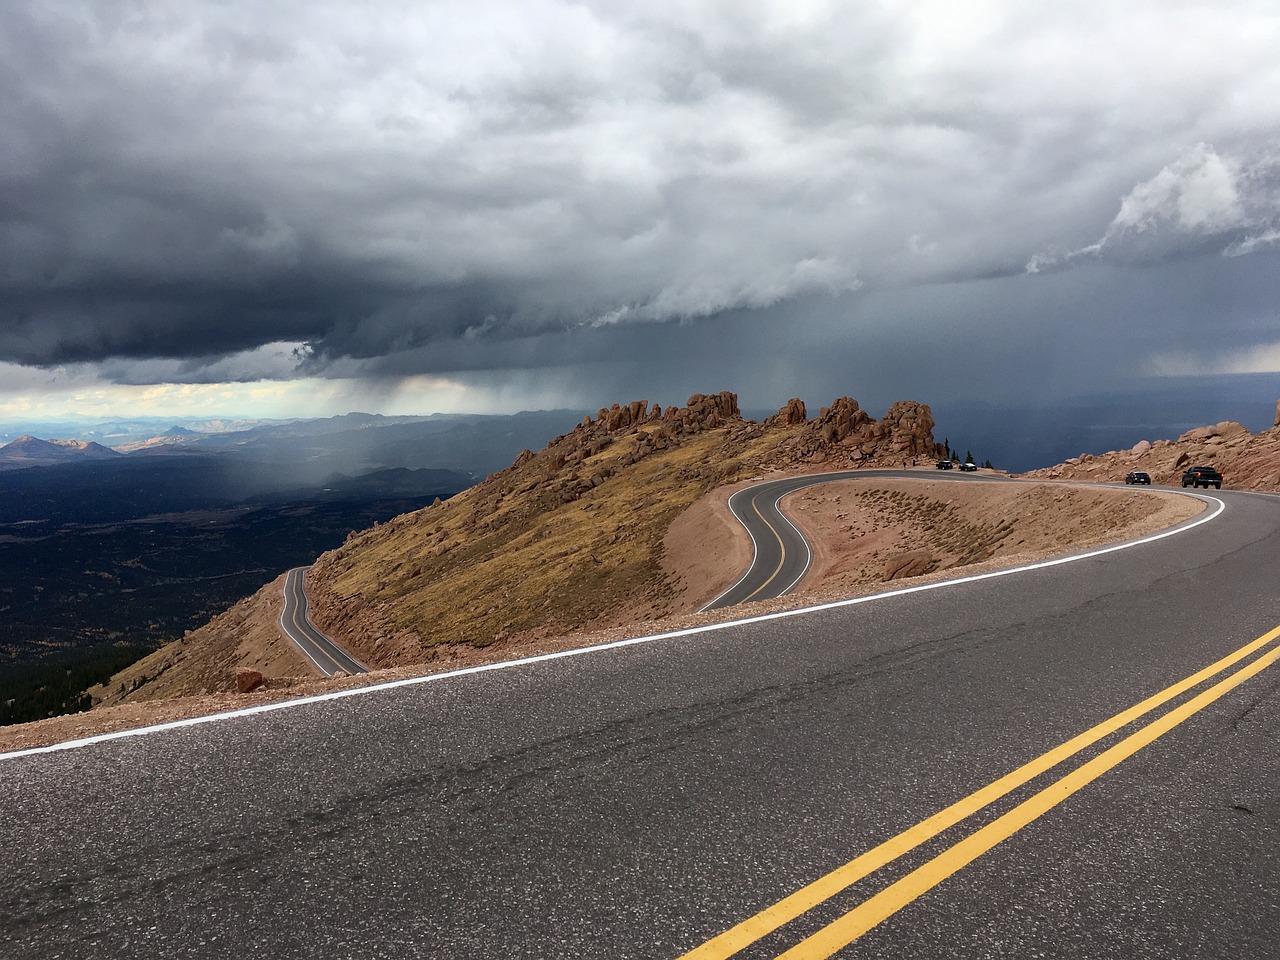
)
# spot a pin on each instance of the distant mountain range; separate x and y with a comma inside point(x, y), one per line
point(282, 454)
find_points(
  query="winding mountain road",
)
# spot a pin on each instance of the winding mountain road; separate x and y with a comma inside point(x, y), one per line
point(1074, 760)
point(781, 555)
point(318, 647)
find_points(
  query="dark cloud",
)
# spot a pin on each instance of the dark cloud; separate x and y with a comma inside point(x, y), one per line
point(681, 196)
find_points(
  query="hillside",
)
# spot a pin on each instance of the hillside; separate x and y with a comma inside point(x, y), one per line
point(1246, 460)
point(567, 539)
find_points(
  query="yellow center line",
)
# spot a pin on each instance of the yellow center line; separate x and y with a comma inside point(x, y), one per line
point(299, 597)
point(782, 548)
point(893, 898)
point(789, 908)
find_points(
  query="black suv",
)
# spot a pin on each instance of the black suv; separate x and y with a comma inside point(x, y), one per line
point(944, 464)
point(1202, 477)
point(1139, 476)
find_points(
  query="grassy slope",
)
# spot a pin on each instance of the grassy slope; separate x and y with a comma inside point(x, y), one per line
point(522, 553)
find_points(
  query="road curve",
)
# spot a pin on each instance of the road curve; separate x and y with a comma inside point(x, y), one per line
point(782, 555)
point(328, 657)
point(1074, 760)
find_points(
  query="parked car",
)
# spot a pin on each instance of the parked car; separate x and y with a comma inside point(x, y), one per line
point(944, 464)
point(1139, 476)
point(1202, 477)
point(968, 467)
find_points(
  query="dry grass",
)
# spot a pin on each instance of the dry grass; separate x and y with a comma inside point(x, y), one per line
point(516, 556)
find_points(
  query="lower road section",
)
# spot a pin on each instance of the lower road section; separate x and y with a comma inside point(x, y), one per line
point(1073, 761)
point(328, 657)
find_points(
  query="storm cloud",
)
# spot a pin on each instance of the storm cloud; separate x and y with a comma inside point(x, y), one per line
point(657, 195)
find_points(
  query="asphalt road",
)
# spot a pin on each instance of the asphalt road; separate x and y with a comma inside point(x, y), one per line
point(328, 657)
point(781, 554)
point(642, 800)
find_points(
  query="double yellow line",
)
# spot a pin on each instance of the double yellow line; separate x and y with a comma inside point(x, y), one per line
point(782, 552)
point(848, 928)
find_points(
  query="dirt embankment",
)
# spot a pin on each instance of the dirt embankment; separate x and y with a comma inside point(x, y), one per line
point(867, 534)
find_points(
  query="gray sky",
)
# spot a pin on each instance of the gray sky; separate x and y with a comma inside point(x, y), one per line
point(302, 208)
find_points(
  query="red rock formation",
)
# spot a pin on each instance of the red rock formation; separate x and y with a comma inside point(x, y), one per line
point(792, 414)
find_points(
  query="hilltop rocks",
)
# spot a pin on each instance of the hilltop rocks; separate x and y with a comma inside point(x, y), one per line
point(794, 413)
point(700, 413)
point(843, 432)
point(846, 432)
point(838, 421)
point(618, 417)
point(1215, 433)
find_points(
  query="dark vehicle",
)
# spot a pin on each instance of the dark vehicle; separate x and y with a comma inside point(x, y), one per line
point(1139, 476)
point(968, 467)
point(944, 464)
point(1202, 477)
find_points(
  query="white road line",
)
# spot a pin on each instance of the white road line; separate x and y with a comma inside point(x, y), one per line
point(614, 645)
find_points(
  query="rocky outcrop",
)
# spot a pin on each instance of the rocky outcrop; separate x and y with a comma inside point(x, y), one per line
point(844, 434)
point(793, 414)
point(1216, 433)
point(842, 420)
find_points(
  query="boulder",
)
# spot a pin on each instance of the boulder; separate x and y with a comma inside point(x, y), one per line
point(912, 564)
point(247, 680)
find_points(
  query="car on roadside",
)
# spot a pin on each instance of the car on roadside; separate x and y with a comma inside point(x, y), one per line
point(1202, 477)
point(968, 467)
point(1138, 476)
point(944, 464)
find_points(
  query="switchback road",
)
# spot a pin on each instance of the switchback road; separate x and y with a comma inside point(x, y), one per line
point(328, 657)
point(1071, 761)
point(781, 553)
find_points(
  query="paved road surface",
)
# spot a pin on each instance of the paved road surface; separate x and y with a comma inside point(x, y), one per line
point(328, 657)
point(781, 553)
point(642, 800)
